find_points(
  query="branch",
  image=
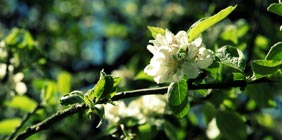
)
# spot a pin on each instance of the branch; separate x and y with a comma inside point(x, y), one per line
point(26, 117)
point(45, 124)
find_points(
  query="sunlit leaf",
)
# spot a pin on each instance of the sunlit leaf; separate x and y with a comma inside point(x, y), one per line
point(49, 89)
point(22, 102)
point(7, 126)
point(146, 131)
point(230, 34)
point(231, 125)
point(21, 38)
point(275, 8)
point(156, 30)
point(242, 27)
point(203, 24)
point(238, 76)
point(265, 67)
point(177, 98)
point(64, 82)
point(13, 37)
point(275, 52)
point(105, 88)
point(143, 76)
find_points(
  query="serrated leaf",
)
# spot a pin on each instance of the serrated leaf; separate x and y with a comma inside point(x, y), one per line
point(22, 102)
point(231, 125)
point(178, 98)
point(265, 67)
point(7, 126)
point(261, 94)
point(203, 24)
point(275, 52)
point(231, 57)
point(156, 30)
point(275, 8)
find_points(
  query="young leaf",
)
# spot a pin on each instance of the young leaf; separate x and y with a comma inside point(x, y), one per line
point(275, 8)
point(22, 102)
point(177, 98)
point(7, 126)
point(156, 30)
point(231, 125)
point(275, 52)
point(265, 67)
point(231, 56)
point(72, 98)
point(64, 82)
point(105, 87)
point(203, 24)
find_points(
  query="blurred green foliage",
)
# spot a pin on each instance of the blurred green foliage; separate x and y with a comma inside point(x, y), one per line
point(61, 45)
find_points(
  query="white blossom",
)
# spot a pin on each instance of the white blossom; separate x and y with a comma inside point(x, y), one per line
point(174, 57)
point(212, 130)
point(143, 109)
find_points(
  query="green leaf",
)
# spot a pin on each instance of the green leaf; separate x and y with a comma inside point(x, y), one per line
point(48, 92)
point(275, 8)
point(13, 36)
point(178, 98)
point(105, 88)
point(156, 30)
point(64, 82)
point(21, 38)
point(230, 34)
point(231, 125)
point(22, 102)
point(72, 98)
point(143, 76)
point(275, 52)
point(203, 24)
point(98, 90)
point(7, 126)
point(238, 76)
point(231, 57)
point(265, 67)
point(262, 94)
point(276, 76)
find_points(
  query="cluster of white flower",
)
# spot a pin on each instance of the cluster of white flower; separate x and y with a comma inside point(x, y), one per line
point(174, 57)
point(143, 109)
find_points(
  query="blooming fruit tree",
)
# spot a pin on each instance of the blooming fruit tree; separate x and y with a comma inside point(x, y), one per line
point(185, 71)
